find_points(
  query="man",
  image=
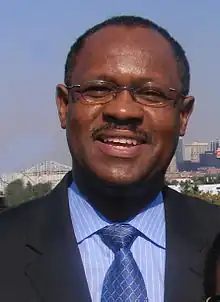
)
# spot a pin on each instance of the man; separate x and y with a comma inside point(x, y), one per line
point(111, 230)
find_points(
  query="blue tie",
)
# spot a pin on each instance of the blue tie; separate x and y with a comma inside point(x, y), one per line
point(123, 281)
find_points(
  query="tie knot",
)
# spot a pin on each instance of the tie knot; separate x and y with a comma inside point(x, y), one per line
point(118, 236)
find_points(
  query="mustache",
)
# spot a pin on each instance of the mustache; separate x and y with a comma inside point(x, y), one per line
point(147, 136)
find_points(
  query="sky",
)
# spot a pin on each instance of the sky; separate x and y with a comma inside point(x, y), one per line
point(36, 37)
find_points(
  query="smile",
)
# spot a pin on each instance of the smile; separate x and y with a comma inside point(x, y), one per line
point(121, 141)
point(120, 146)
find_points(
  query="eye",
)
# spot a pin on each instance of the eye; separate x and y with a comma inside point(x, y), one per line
point(151, 94)
point(95, 91)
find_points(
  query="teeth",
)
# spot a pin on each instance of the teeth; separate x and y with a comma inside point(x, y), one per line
point(121, 141)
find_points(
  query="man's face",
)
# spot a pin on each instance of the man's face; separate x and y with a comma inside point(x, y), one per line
point(123, 141)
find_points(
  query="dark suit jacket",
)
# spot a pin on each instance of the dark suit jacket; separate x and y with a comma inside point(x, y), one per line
point(40, 260)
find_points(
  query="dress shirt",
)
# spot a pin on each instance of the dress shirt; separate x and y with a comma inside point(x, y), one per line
point(148, 251)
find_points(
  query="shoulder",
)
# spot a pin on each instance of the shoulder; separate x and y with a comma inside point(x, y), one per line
point(201, 211)
point(34, 211)
point(192, 201)
point(18, 218)
point(14, 226)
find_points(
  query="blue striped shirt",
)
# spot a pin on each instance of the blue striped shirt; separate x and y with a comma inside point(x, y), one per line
point(148, 252)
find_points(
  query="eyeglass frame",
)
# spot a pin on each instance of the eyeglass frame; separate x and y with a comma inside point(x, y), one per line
point(117, 89)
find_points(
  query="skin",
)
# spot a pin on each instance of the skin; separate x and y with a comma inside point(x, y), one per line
point(126, 56)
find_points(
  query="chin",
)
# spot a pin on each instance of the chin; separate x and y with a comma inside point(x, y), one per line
point(119, 177)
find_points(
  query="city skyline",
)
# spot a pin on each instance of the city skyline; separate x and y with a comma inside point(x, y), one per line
point(37, 37)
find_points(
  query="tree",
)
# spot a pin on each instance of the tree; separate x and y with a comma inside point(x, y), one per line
point(16, 192)
point(28, 191)
point(174, 182)
point(41, 189)
point(195, 188)
point(186, 187)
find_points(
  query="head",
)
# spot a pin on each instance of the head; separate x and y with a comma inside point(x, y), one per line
point(130, 102)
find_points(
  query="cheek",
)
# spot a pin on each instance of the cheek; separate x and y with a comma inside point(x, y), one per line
point(166, 123)
point(165, 132)
point(80, 119)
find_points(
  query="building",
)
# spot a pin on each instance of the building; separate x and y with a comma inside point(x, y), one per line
point(173, 166)
point(209, 159)
point(192, 151)
point(179, 153)
point(47, 171)
point(214, 145)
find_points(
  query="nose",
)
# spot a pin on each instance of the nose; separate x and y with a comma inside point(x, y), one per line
point(123, 110)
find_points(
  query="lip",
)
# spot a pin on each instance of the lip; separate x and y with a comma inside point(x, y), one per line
point(119, 151)
point(121, 134)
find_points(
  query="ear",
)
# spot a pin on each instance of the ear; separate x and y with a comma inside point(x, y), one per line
point(62, 104)
point(186, 110)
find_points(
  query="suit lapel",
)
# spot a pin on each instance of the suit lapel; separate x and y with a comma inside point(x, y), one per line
point(54, 265)
point(186, 251)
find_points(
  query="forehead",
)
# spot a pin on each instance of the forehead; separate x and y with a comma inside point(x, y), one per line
point(126, 54)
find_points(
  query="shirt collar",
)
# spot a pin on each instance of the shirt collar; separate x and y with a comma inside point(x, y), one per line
point(86, 221)
point(151, 221)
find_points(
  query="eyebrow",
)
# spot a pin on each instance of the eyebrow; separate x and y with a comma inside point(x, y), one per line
point(109, 78)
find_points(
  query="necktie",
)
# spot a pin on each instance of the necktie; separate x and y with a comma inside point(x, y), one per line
point(123, 281)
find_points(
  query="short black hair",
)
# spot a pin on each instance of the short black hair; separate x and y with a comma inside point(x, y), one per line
point(132, 21)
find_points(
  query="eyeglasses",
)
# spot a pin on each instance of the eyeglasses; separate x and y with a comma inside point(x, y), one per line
point(101, 92)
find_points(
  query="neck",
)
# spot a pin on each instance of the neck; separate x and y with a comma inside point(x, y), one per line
point(117, 203)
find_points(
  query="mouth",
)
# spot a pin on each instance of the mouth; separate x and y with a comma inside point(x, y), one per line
point(120, 145)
